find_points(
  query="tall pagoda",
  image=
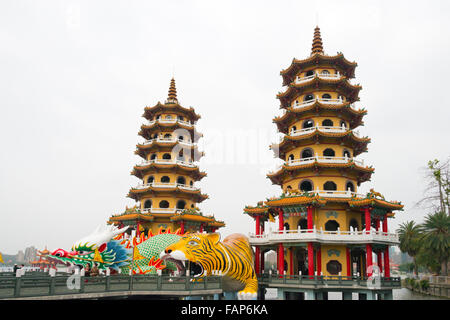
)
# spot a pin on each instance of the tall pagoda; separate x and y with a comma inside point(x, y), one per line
point(325, 227)
point(167, 196)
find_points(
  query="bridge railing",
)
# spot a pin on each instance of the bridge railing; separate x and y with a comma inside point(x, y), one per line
point(336, 281)
point(45, 285)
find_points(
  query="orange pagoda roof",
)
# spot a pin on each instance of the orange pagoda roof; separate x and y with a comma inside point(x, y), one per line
point(342, 86)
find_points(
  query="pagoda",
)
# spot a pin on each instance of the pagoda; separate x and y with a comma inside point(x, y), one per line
point(325, 227)
point(167, 196)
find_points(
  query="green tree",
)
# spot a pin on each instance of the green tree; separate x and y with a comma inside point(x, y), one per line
point(435, 237)
point(437, 191)
point(409, 236)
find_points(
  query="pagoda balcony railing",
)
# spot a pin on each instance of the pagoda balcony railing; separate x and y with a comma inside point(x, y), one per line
point(308, 235)
point(170, 121)
point(161, 210)
point(168, 161)
point(323, 159)
point(166, 185)
point(321, 75)
point(330, 129)
point(298, 105)
point(168, 140)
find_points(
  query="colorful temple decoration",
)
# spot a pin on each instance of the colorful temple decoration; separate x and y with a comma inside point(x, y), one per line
point(43, 261)
point(167, 196)
point(325, 227)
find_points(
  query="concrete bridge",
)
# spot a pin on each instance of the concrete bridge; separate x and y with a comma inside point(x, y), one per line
point(42, 286)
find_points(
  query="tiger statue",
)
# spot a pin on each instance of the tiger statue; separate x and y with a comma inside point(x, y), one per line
point(205, 255)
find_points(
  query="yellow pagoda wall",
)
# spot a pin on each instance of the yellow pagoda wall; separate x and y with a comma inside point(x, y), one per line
point(172, 176)
point(327, 249)
point(171, 199)
point(319, 149)
point(318, 181)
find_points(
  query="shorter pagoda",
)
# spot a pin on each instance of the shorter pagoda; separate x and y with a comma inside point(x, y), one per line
point(167, 195)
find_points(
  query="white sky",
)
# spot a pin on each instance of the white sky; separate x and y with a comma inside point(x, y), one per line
point(75, 77)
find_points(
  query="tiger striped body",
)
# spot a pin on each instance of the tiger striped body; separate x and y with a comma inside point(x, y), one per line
point(233, 259)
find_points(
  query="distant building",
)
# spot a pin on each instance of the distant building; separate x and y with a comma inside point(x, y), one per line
point(20, 258)
point(30, 254)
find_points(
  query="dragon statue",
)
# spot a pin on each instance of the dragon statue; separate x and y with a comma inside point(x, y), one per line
point(107, 247)
point(200, 253)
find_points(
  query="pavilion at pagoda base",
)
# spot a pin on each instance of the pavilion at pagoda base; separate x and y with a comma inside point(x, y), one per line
point(304, 287)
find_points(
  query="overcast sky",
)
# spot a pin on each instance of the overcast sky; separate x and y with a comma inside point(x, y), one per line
point(75, 77)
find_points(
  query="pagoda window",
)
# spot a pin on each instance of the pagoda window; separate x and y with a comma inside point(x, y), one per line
point(164, 204)
point(181, 118)
point(334, 267)
point(291, 157)
point(191, 183)
point(150, 179)
point(181, 204)
point(343, 124)
point(158, 117)
point(293, 129)
point(308, 97)
point(153, 156)
point(167, 136)
point(349, 186)
point(302, 224)
point(168, 117)
point(167, 156)
point(326, 96)
point(307, 153)
point(306, 185)
point(346, 153)
point(286, 226)
point(325, 72)
point(165, 179)
point(147, 204)
point(181, 180)
point(308, 124)
point(353, 224)
point(331, 225)
point(328, 152)
point(329, 186)
point(327, 123)
point(310, 73)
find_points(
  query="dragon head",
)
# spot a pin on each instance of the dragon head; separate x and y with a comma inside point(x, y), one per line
point(98, 247)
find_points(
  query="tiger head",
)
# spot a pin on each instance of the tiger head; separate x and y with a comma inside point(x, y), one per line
point(193, 252)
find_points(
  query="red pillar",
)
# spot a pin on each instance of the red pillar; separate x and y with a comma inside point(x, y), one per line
point(182, 226)
point(280, 220)
point(280, 259)
point(387, 267)
point(138, 231)
point(349, 261)
point(367, 216)
point(201, 227)
point(280, 246)
point(385, 225)
point(310, 259)
point(257, 249)
point(378, 225)
point(369, 261)
point(319, 261)
point(309, 218)
point(262, 253)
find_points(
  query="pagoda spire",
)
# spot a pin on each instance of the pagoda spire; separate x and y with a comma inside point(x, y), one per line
point(317, 46)
point(172, 92)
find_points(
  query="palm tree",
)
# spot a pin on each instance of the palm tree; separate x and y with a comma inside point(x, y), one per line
point(409, 236)
point(436, 237)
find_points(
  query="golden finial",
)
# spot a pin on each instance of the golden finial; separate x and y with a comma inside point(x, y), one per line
point(172, 92)
point(317, 46)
